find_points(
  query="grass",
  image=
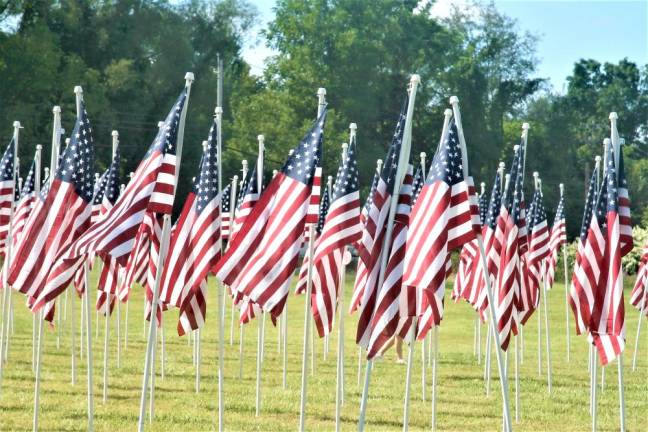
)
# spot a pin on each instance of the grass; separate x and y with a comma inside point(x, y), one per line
point(461, 405)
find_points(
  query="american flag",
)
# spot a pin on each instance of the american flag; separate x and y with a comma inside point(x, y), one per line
point(226, 215)
point(248, 197)
point(339, 227)
point(639, 295)
point(151, 190)
point(538, 251)
point(361, 269)
point(483, 206)
point(109, 278)
point(7, 192)
point(300, 288)
point(607, 323)
point(100, 187)
point(24, 205)
point(195, 245)
point(58, 219)
point(625, 223)
point(444, 217)
point(557, 240)
point(386, 315)
point(417, 185)
point(264, 254)
point(510, 275)
point(371, 246)
point(581, 292)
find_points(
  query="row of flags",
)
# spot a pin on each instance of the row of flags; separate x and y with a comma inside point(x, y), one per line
point(404, 235)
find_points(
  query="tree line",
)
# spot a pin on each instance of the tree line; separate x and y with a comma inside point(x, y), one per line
point(130, 57)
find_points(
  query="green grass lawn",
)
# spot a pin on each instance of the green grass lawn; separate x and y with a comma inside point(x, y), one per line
point(462, 404)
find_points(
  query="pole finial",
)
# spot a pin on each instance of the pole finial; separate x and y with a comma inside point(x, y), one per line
point(614, 115)
point(78, 90)
point(415, 78)
point(39, 147)
point(16, 125)
point(501, 165)
point(56, 109)
point(447, 113)
point(454, 100)
point(204, 145)
point(114, 133)
point(516, 147)
point(525, 126)
point(235, 178)
point(597, 159)
point(261, 139)
point(536, 174)
point(345, 146)
point(423, 155)
point(353, 126)
point(189, 78)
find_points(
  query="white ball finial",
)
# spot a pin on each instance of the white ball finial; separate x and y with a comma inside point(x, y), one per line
point(330, 178)
point(115, 133)
point(78, 90)
point(454, 100)
point(261, 139)
point(379, 164)
point(516, 147)
point(483, 184)
point(353, 126)
point(16, 125)
point(204, 145)
point(235, 178)
point(502, 165)
point(536, 174)
point(525, 126)
point(607, 141)
point(614, 115)
point(423, 155)
point(46, 169)
point(321, 91)
point(447, 112)
point(67, 141)
point(345, 146)
point(597, 159)
point(97, 176)
point(56, 109)
point(415, 78)
point(39, 147)
point(189, 77)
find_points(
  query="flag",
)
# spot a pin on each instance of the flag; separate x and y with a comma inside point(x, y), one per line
point(151, 190)
point(510, 276)
point(386, 318)
point(581, 292)
point(625, 223)
point(361, 270)
point(225, 215)
point(483, 207)
point(195, 245)
point(59, 217)
point(339, 226)
point(419, 180)
point(248, 197)
point(7, 193)
point(537, 253)
point(24, 205)
point(444, 217)
point(371, 246)
point(607, 323)
point(639, 295)
point(109, 277)
point(264, 254)
point(557, 240)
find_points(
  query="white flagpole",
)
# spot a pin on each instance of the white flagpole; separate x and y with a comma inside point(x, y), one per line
point(321, 104)
point(454, 101)
point(232, 211)
point(641, 315)
point(426, 341)
point(339, 384)
point(435, 361)
point(329, 183)
point(616, 143)
point(546, 315)
point(408, 374)
point(220, 287)
point(244, 170)
point(284, 332)
point(403, 162)
point(566, 273)
point(261, 321)
point(6, 301)
point(164, 244)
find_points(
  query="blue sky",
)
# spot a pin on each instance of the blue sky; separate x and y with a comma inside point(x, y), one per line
point(568, 30)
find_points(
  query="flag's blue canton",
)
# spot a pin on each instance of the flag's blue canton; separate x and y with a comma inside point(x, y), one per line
point(77, 161)
point(560, 211)
point(494, 203)
point(483, 208)
point(29, 184)
point(516, 166)
point(100, 188)
point(206, 184)
point(167, 137)
point(532, 208)
point(323, 210)
point(539, 211)
point(7, 163)
point(346, 181)
point(447, 165)
point(417, 184)
point(111, 188)
point(374, 185)
point(517, 210)
point(306, 156)
point(249, 186)
point(589, 205)
point(608, 195)
point(622, 182)
point(225, 199)
point(390, 166)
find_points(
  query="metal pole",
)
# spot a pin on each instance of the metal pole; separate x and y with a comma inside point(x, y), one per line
point(408, 376)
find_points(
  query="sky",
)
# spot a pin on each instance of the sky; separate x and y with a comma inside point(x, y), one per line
point(568, 30)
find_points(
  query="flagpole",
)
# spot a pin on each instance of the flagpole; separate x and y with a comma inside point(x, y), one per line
point(6, 303)
point(164, 244)
point(546, 316)
point(321, 96)
point(454, 101)
point(329, 184)
point(261, 322)
point(564, 251)
point(339, 385)
point(244, 171)
point(401, 170)
point(428, 339)
point(408, 374)
point(641, 314)
point(232, 211)
point(616, 143)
